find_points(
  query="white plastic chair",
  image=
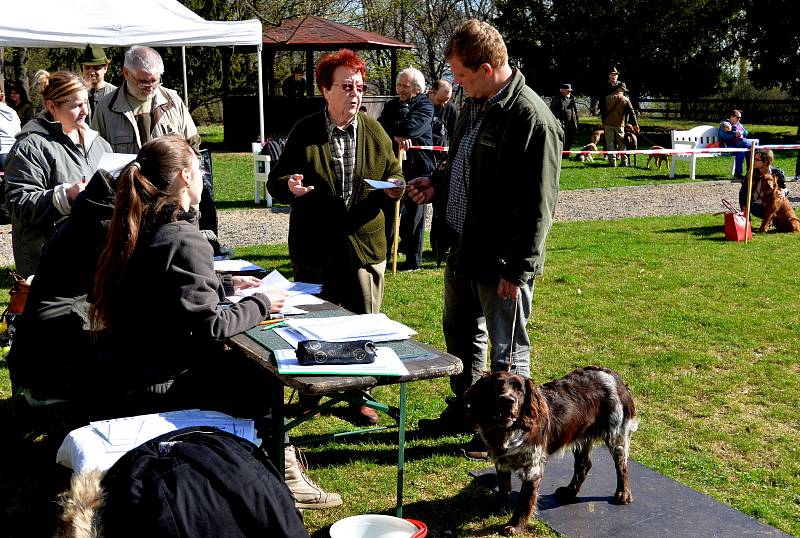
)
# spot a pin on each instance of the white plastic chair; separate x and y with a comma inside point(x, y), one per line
point(261, 166)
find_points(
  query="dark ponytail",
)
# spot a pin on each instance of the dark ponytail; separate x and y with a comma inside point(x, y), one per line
point(145, 190)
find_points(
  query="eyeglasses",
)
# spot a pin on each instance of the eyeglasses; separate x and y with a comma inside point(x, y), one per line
point(348, 87)
point(737, 117)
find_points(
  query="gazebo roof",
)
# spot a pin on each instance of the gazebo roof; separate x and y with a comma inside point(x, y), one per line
point(317, 33)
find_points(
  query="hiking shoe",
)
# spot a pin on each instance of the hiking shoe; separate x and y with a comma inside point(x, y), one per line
point(305, 492)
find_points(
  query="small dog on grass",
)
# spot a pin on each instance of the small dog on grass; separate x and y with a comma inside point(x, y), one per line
point(659, 158)
point(777, 208)
point(522, 425)
point(586, 157)
point(631, 143)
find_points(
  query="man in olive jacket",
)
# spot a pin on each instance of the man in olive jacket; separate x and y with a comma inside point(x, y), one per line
point(501, 186)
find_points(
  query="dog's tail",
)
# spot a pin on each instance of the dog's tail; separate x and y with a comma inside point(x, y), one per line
point(80, 506)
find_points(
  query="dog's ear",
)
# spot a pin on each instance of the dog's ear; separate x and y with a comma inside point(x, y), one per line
point(534, 409)
point(475, 393)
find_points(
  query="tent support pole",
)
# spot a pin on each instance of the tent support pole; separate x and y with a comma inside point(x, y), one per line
point(260, 96)
point(185, 83)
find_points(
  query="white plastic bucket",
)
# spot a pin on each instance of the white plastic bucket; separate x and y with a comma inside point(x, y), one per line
point(377, 526)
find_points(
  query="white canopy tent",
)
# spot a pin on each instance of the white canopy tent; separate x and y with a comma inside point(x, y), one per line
point(122, 23)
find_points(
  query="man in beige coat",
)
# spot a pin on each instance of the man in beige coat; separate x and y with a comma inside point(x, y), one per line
point(141, 109)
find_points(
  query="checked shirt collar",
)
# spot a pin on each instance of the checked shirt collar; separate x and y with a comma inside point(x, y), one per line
point(343, 154)
point(459, 174)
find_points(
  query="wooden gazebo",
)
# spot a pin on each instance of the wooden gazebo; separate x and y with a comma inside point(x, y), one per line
point(309, 34)
point(312, 33)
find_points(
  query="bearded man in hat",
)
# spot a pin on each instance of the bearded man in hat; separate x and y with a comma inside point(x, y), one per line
point(94, 66)
point(565, 110)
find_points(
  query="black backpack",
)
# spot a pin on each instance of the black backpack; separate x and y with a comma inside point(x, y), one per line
point(197, 481)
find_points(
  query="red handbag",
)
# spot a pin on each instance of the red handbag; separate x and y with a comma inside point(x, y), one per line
point(736, 226)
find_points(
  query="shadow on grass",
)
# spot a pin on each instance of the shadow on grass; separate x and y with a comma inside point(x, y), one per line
point(711, 233)
point(30, 481)
point(446, 517)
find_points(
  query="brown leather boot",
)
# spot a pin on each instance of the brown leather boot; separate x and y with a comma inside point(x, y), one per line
point(305, 492)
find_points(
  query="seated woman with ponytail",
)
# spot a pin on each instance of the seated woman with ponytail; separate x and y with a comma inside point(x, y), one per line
point(156, 296)
point(163, 308)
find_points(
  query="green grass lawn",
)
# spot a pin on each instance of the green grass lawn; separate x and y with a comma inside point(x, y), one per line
point(704, 331)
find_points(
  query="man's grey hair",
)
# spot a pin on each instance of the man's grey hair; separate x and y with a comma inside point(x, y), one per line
point(138, 57)
point(416, 76)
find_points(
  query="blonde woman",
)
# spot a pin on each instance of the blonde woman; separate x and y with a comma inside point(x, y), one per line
point(53, 158)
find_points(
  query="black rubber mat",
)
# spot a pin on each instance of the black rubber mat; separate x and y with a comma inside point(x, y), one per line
point(662, 507)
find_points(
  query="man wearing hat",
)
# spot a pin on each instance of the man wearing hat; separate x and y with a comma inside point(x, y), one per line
point(607, 89)
point(618, 111)
point(295, 85)
point(94, 66)
point(565, 110)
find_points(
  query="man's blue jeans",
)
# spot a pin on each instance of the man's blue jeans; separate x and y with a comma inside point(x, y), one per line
point(475, 316)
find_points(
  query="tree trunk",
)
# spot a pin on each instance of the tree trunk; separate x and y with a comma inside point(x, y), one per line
point(20, 63)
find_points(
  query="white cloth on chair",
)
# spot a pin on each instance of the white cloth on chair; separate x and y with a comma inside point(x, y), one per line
point(100, 444)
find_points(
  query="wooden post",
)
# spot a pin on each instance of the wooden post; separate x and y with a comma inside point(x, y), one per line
point(396, 224)
point(749, 192)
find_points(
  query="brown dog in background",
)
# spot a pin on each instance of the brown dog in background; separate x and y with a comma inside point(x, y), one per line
point(522, 425)
point(777, 208)
point(586, 157)
point(659, 158)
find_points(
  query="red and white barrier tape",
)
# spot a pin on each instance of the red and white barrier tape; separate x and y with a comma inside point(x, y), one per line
point(686, 151)
point(431, 148)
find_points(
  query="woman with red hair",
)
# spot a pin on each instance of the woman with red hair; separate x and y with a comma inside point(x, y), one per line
point(337, 226)
point(336, 230)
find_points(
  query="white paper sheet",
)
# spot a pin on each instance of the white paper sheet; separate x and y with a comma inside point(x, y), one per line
point(386, 363)
point(375, 327)
point(114, 162)
point(378, 184)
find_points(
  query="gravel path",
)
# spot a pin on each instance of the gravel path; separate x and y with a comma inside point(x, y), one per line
point(271, 225)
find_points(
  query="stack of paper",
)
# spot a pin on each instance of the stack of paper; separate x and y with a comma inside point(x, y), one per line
point(375, 327)
point(297, 293)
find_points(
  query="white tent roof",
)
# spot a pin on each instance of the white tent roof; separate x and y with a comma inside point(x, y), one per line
point(157, 23)
point(122, 23)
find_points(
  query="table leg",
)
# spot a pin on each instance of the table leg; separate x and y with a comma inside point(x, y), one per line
point(401, 449)
point(277, 426)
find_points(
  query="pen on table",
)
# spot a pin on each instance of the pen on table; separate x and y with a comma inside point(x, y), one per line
point(271, 321)
point(280, 323)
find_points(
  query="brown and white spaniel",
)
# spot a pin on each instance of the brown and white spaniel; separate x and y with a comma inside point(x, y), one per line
point(522, 425)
